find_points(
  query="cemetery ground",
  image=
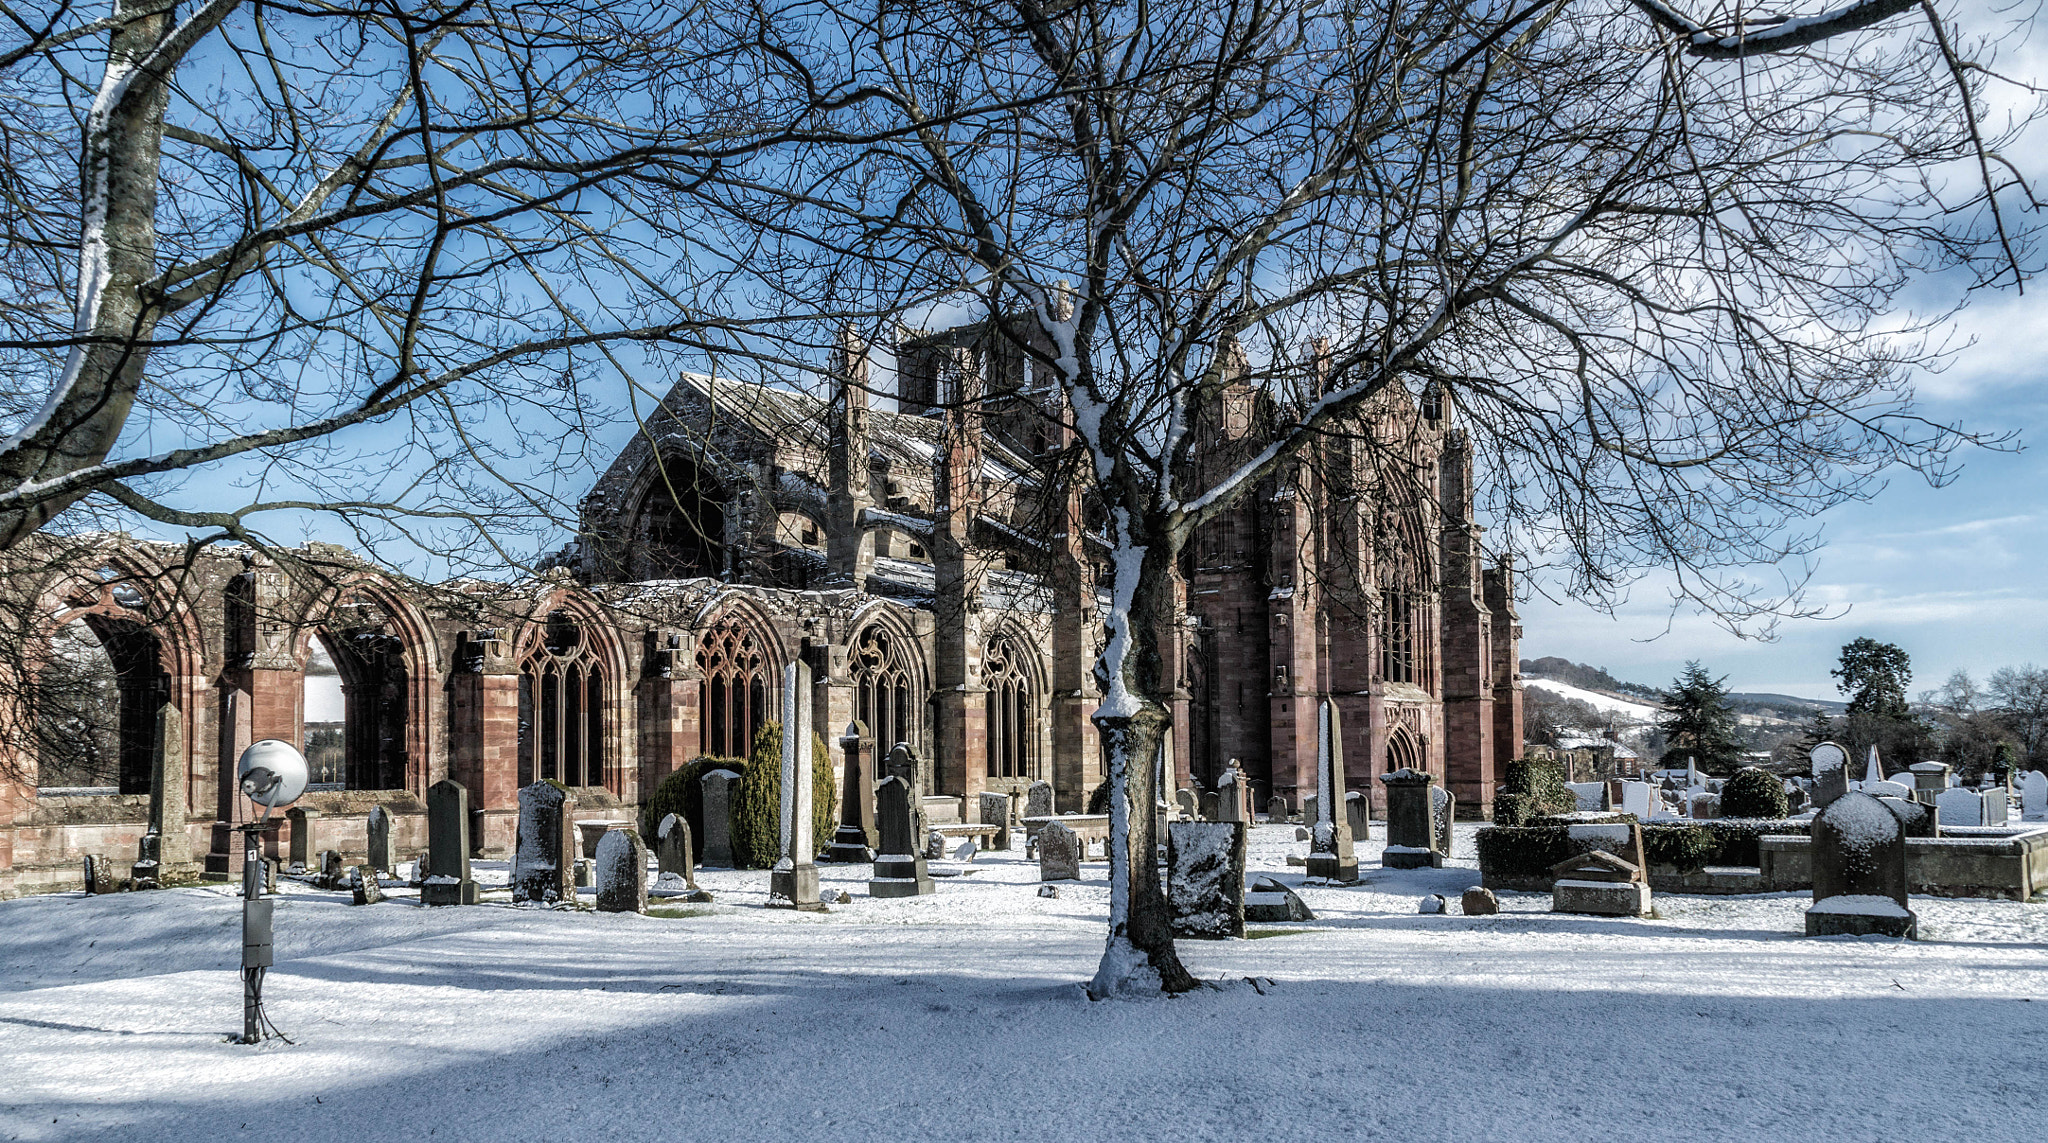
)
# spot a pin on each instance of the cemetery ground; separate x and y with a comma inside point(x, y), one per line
point(960, 1016)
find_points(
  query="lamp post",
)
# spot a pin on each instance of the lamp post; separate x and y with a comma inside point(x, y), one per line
point(271, 774)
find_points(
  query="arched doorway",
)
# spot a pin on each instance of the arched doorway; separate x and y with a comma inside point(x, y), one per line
point(1403, 753)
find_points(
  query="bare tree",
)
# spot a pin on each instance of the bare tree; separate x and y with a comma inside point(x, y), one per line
point(1647, 280)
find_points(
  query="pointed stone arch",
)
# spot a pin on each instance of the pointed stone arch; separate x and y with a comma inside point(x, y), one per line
point(1013, 677)
point(741, 659)
point(572, 715)
point(389, 663)
point(892, 679)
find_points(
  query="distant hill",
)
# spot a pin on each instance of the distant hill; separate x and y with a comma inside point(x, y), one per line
point(1587, 678)
point(1760, 702)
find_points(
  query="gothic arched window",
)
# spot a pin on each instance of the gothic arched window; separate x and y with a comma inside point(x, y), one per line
point(732, 655)
point(887, 690)
point(1012, 709)
point(1404, 636)
point(561, 706)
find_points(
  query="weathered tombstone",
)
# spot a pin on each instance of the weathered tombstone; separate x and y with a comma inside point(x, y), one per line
point(147, 872)
point(331, 875)
point(1859, 871)
point(793, 883)
point(934, 845)
point(419, 872)
point(1637, 798)
point(1479, 901)
point(856, 832)
point(1917, 819)
point(543, 859)
point(1308, 809)
point(1930, 775)
point(1038, 800)
point(899, 867)
point(672, 849)
point(379, 827)
point(1190, 808)
point(305, 854)
point(1212, 805)
point(995, 811)
point(1443, 806)
point(1205, 878)
point(621, 872)
point(1433, 904)
point(1830, 767)
point(1234, 796)
point(1276, 809)
point(717, 787)
point(1269, 901)
point(101, 876)
point(1358, 812)
point(1997, 804)
point(1888, 789)
point(1059, 853)
point(2034, 797)
point(362, 883)
point(1601, 884)
point(1330, 854)
point(1960, 807)
point(447, 881)
point(1411, 834)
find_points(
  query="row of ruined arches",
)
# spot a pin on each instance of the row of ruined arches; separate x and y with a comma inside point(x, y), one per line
point(370, 667)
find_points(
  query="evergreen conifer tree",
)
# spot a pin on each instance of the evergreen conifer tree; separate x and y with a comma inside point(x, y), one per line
point(1698, 722)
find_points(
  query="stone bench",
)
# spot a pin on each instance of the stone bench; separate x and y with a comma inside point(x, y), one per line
point(986, 834)
point(1086, 827)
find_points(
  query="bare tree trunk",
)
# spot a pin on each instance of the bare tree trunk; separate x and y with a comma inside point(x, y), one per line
point(1139, 955)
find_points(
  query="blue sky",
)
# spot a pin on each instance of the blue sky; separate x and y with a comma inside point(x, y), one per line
point(1951, 574)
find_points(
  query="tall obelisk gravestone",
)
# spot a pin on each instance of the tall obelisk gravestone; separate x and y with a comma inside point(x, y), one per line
point(793, 884)
point(1330, 849)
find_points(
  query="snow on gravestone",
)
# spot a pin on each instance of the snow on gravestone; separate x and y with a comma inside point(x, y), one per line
point(621, 872)
point(379, 827)
point(1960, 807)
point(1059, 853)
point(363, 887)
point(1331, 853)
point(1637, 798)
point(1830, 765)
point(447, 880)
point(1205, 879)
point(1888, 789)
point(1190, 808)
point(1859, 870)
point(2034, 796)
point(542, 865)
point(1233, 797)
point(672, 849)
point(1917, 819)
point(995, 811)
point(1443, 807)
point(1411, 834)
point(899, 868)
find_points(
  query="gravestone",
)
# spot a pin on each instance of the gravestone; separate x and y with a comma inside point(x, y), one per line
point(1601, 884)
point(1038, 800)
point(1443, 806)
point(853, 840)
point(447, 881)
point(1308, 809)
point(1479, 901)
point(305, 855)
point(1997, 804)
point(934, 845)
point(1234, 796)
point(419, 872)
point(995, 811)
point(1960, 807)
point(1358, 812)
point(1270, 902)
point(672, 849)
point(1433, 904)
point(1205, 878)
point(1830, 768)
point(378, 825)
point(1190, 809)
point(1859, 871)
point(718, 791)
point(1330, 854)
point(544, 859)
point(1637, 798)
point(1873, 771)
point(1059, 853)
point(1411, 832)
point(1276, 809)
point(1212, 805)
point(331, 875)
point(1917, 819)
point(1888, 789)
point(899, 867)
point(793, 883)
point(102, 877)
point(621, 872)
point(2034, 797)
point(362, 883)
point(1930, 776)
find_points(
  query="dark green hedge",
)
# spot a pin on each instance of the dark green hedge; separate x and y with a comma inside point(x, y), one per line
point(683, 793)
point(1754, 793)
point(757, 810)
point(1522, 851)
point(1685, 845)
point(1735, 839)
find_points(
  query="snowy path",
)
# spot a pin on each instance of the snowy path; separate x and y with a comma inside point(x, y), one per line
point(959, 1017)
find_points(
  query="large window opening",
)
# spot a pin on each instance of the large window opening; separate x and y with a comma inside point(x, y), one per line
point(681, 528)
point(1012, 709)
point(561, 707)
point(736, 692)
point(97, 699)
point(356, 702)
point(889, 698)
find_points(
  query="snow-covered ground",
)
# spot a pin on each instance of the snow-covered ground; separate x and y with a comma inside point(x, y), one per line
point(960, 1017)
point(1641, 712)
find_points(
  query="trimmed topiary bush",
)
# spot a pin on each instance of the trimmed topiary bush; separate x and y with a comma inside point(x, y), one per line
point(1533, 788)
point(1754, 793)
point(1684, 845)
point(1098, 798)
point(683, 793)
point(757, 809)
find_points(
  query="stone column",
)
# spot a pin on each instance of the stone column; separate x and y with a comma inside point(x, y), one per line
point(168, 813)
point(856, 831)
point(794, 881)
point(1331, 853)
point(484, 738)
